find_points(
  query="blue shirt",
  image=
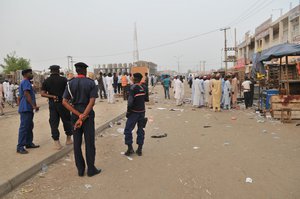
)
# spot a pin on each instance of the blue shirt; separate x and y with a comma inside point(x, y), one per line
point(25, 106)
point(166, 82)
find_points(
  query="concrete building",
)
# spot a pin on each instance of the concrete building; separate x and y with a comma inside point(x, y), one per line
point(152, 66)
point(270, 33)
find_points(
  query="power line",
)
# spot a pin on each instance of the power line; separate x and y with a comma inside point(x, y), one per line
point(245, 12)
point(153, 47)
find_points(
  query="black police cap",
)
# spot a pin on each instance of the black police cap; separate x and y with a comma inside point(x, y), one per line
point(81, 65)
point(25, 71)
point(54, 67)
point(138, 76)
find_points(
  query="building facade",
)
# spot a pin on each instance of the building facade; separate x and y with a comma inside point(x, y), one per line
point(270, 33)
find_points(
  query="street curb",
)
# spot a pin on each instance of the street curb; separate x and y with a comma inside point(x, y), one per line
point(9, 185)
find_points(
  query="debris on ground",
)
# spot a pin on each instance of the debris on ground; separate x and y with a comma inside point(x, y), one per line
point(119, 123)
point(248, 180)
point(159, 135)
point(161, 108)
point(120, 130)
point(298, 124)
point(110, 124)
point(233, 118)
point(206, 126)
point(276, 137)
point(196, 147)
point(23, 190)
point(264, 131)
point(176, 109)
point(88, 186)
point(44, 168)
point(122, 153)
point(129, 158)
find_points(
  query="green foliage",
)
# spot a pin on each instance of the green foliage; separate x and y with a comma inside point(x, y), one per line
point(13, 63)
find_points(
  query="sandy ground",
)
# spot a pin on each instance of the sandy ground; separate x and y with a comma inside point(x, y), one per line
point(205, 155)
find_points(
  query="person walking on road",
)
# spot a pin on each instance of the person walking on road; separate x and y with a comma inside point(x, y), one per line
point(179, 91)
point(166, 85)
point(138, 95)
point(27, 104)
point(53, 88)
point(82, 91)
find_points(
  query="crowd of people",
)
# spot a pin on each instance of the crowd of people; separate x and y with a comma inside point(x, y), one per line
point(216, 92)
point(72, 101)
point(8, 94)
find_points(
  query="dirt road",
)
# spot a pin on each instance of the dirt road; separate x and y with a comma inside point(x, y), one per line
point(205, 155)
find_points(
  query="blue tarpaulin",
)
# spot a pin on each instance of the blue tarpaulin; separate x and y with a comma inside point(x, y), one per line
point(280, 50)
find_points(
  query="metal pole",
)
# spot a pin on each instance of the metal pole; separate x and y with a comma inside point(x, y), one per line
point(225, 47)
point(287, 75)
point(235, 51)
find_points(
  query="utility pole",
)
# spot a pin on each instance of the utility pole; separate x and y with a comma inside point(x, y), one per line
point(204, 67)
point(200, 66)
point(178, 58)
point(136, 50)
point(225, 47)
point(235, 49)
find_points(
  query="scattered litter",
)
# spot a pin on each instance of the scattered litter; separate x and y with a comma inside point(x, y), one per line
point(23, 190)
point(44, 168)
point(233, 118)
point(298, 124)
point(159, 135)
point(42, 175)
point(119, 123)
point(276, 137)
point(176, 109)
point(161, 108)
point(260, 121)
point(68, 159)
point(208, 192)
point(264, 131)
point(196, 147)
point(129, 158)
point(110, 124)
point(226, 143)
point(120, 130)
point(122, 153)
point(88, 186)
point(149, 108)
point(228, 126)
point(249, 180)
point(151, 120)
point(273, 133)
point(206, 126)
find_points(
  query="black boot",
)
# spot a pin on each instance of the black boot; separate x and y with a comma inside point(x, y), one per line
point(139, 150)
point(130, 150)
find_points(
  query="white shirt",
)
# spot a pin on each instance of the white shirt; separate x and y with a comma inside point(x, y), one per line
point(246, 85)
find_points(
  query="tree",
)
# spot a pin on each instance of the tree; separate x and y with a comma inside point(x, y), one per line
point(13, 63)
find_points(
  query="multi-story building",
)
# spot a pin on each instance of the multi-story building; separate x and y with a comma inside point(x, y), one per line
point(270, 33)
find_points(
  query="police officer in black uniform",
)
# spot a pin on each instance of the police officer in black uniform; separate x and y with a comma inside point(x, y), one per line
point(82, 92)
point(138, 95)
point(53, 88)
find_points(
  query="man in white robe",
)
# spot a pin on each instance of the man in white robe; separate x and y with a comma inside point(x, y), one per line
point(178, 88)
point(109, 80)
point(196, 92)
point(227, 93)
point(206, 91)
point(201, 86)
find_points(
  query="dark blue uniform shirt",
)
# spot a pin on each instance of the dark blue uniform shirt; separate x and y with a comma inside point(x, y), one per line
point(82, 89)
point(24, 105)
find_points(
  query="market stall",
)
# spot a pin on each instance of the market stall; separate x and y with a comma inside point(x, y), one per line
point(285, 105)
